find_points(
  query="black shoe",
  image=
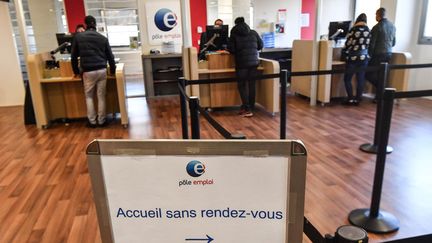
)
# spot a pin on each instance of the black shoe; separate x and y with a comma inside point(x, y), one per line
point(356, 103)
point(349, 102)
point(104, 124)
point(91, 125)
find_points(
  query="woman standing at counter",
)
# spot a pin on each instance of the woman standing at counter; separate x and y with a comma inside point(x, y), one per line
point(356, 53)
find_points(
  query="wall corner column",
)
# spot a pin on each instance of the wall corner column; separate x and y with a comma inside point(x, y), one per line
point(186, 23)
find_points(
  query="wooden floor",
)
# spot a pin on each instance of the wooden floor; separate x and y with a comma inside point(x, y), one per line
point(45, 192)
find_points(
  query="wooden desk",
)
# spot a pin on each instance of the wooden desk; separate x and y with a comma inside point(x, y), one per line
point(157, 82)
point(305, 54)
point(63, 97)
point(226, 94)
point(397, 79)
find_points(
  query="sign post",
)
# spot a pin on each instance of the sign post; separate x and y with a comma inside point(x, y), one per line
point(199, 191)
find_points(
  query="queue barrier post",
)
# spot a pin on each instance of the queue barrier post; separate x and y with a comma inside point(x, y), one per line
point(194, 116)
point(381, 84)
point(283, 77)
point(184, 123)
point(374, 220)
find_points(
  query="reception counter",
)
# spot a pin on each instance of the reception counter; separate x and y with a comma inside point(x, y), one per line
point(56, 94)
point(221, 65)
point(306, 55)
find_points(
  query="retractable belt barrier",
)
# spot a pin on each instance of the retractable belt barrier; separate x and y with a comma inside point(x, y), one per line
point(372, 219)
point(369, 219)
point(195, 110)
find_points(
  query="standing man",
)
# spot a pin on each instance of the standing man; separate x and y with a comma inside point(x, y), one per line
point(383, 38)
point(245, 43)
point(94, 51)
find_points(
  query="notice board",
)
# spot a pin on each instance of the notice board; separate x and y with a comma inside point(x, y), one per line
point(198, 190)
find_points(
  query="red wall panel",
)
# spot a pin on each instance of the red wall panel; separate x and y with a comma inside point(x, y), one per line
point(198, 15)
point(308, 33)
point(75, 13)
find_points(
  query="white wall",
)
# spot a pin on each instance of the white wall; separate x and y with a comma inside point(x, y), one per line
point(241, 9)
point(44, 21)
point(420, 79)
point(369, 8)
point(405, 14)
point(335, 10)
point(265, 11)
point(405, 19)
point(391, 7)
point(11, 85)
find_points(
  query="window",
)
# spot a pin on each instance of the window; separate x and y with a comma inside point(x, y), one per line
point(121, 26)
point(117, 20)
point(425, 36)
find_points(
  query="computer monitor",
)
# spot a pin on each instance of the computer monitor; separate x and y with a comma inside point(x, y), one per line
point(218, 36)
point(63, 38)
point(338, 30)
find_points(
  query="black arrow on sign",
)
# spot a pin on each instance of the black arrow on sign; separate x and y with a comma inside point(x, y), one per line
point(208, 239)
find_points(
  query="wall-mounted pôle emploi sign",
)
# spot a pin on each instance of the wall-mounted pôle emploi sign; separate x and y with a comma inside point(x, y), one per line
point(198, 197)
point(163, 22)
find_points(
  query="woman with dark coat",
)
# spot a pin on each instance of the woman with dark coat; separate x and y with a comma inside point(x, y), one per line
point(245, 43)
point(356, 53)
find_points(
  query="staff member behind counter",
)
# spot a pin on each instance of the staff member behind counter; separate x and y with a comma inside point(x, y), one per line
point(214, 39)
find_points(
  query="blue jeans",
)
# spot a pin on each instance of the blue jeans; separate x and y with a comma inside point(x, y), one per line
point(360, 78)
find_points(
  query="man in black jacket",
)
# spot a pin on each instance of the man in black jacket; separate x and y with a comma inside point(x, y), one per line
point(383, 38)
point(244, 43)
point(94, 52)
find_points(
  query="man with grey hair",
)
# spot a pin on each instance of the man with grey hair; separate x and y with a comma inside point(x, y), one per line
point(383, 38)
point(94, 51)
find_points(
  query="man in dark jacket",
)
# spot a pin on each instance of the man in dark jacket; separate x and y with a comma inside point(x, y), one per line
point(244, 43)
point(94, 52)
point(383, 38)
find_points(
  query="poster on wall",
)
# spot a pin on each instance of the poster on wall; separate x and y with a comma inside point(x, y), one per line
point(280, 28)
point(164, 22)
point(281, 16)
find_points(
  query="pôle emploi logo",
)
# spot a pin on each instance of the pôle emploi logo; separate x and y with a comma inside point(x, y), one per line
point(165, 19)
point(195, 169)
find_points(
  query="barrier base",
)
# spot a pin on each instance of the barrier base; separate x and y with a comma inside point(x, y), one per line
point(372, 148)
point(384, 223)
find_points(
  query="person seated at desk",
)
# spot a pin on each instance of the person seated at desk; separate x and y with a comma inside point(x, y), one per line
point(356, 56)
point(216, 42)
point(79, 28)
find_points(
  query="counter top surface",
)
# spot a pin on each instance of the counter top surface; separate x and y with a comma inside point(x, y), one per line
point(162, 55)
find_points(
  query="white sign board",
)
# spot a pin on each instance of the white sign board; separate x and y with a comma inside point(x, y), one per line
point(237, 196)
point(232, 199)
point(163, 22)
